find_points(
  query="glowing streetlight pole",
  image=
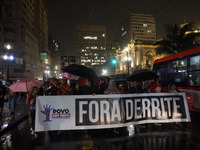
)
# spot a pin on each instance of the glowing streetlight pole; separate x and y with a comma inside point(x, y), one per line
point(7, 58)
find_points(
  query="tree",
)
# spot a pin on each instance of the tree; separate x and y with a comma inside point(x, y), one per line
point(177, 39)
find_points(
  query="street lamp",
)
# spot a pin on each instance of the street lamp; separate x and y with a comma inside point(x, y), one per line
point(8, 47)
point(104, 72)
point(127, 58)
point(8, 58)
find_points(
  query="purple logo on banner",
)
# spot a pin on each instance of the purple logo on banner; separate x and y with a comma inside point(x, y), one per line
point(47, 111)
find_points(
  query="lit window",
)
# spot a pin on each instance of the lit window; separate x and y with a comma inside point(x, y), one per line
point(90, 38)
point(95, 63)
point(149, 31)
point(94, 47)
point(144, 24)
point(103, 35)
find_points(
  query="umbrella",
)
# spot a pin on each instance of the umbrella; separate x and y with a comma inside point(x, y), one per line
point(80, 70)
point(105, 78)
point(120, 77)
point(24, 85)
point(142, 75)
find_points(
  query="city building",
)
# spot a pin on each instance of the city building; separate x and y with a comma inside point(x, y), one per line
point(54, 68)
point(140, 27)
point(90, 45)
point(137, 36)
point(24, 34)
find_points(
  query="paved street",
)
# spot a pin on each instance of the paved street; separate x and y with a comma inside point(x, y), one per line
point(165, 138)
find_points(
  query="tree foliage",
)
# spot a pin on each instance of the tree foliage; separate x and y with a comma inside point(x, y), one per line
point(177, 39)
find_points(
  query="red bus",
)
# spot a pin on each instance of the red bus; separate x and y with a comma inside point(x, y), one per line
point(183, 70)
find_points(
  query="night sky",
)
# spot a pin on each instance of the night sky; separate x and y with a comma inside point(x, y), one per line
point(64, 14)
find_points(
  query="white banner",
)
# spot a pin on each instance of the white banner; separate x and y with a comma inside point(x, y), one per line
point(109, 111)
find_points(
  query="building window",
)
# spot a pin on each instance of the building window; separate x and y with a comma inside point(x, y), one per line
point(122, 28)
point(144, 24)
point(90, 38)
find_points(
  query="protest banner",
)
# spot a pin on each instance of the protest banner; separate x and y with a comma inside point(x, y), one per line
point(109, 111)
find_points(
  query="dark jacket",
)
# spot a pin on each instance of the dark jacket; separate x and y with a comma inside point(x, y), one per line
point(85, 90)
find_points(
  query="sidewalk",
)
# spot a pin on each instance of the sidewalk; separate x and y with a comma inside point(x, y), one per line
point(7, 122)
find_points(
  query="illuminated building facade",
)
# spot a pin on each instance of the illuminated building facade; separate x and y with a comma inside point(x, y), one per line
point(90, 45)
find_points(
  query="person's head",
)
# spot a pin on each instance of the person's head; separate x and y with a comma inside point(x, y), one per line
point(83, 81)
point(34, 90)
point(8, 83)
point(54, 81)
point(95, 82)
point(157, 79)
point(135, 84)
point(171, 87)
point(112, 84)
point(63, 80)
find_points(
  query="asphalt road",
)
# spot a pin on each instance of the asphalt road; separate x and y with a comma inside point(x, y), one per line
point(166, 137)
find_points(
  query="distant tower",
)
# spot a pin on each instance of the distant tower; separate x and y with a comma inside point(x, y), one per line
point(90, 45)
point(140, 27)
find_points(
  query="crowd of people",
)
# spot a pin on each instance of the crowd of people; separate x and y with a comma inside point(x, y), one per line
point(82, 86)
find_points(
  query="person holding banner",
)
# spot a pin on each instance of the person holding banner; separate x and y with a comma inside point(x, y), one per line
point(136, 88)
point(155, 87)
point(30, 102)
point(112, 88)
point(84, 86)
point(52, 89)
point(83, 135)
point(63, 88)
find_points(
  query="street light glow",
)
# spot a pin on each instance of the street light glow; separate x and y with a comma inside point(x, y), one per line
point(127, 58)
point(104, 72)
point(5, 57)
point(126, 49)
point(11, 57)
point(8, 47)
